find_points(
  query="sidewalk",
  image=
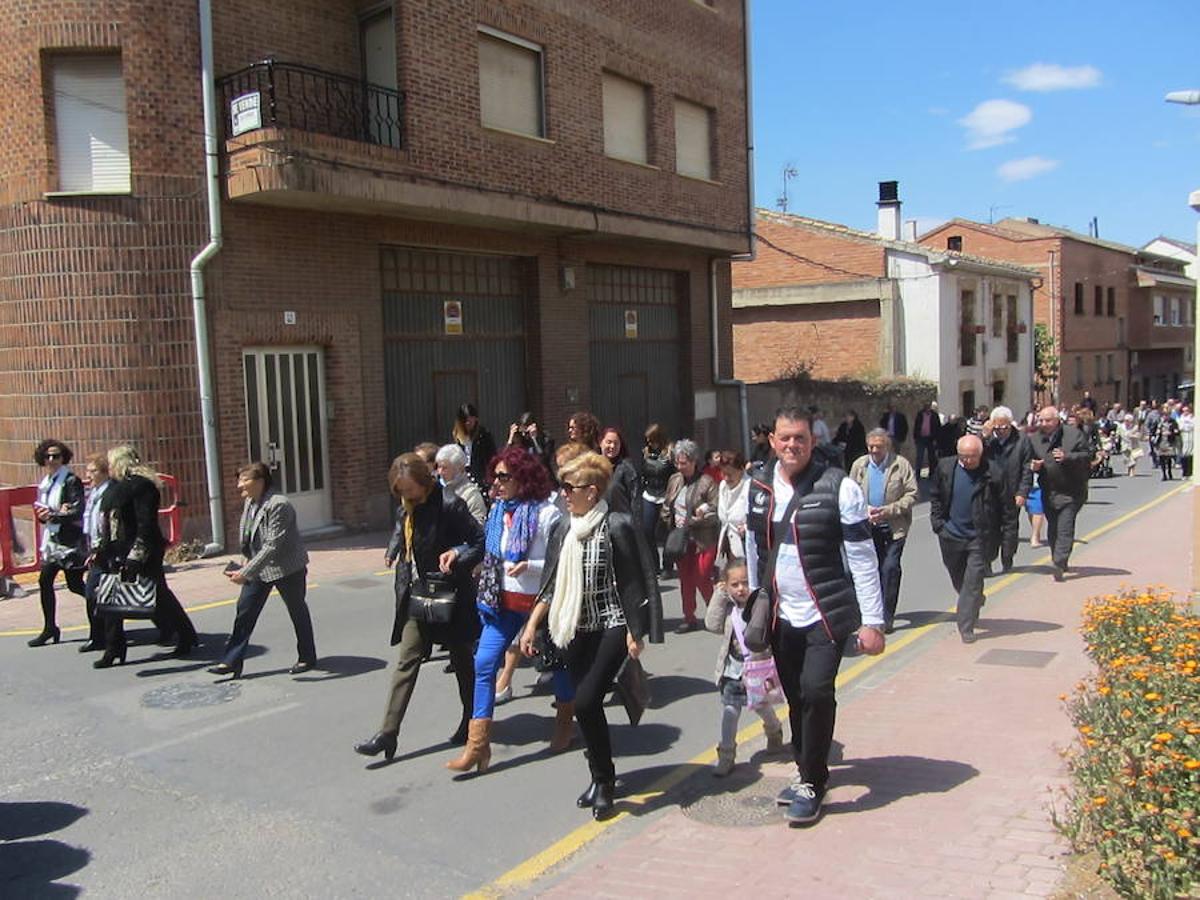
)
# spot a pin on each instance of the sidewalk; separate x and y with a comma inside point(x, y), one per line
point(948, 762)
point(200, 582)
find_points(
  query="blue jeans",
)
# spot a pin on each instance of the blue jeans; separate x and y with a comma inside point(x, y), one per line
point(497, 634)
point(253, 598)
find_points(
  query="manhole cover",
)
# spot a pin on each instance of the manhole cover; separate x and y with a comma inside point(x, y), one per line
point(190, 696)
point(1029, 659)
point(743, 800)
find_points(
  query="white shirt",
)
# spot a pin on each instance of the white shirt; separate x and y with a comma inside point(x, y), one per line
point(821, 432)
point(529, 581)
point(796, 603)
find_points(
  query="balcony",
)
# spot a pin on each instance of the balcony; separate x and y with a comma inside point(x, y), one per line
point(271, 94)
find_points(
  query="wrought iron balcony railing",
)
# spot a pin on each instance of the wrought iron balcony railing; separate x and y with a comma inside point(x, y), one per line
point(291, 95)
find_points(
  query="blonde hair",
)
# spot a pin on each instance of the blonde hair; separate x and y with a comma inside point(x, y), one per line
point(587, 468)
point(568, 452)
point(124, 461)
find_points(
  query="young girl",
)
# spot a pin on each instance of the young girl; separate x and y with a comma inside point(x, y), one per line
point(724, 617)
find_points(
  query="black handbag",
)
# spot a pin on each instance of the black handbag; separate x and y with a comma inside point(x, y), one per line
point(135, 599)
point(432, 599)
point(633, 687)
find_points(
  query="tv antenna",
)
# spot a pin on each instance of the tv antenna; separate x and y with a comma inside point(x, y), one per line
point(789, 172)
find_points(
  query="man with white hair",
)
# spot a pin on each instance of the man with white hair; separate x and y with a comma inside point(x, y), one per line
point(1061, 458)
point(1009, 449)
point(451, 464)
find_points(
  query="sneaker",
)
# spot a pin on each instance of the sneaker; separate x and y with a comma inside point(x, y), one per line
point(806, 808)
point(788, 794)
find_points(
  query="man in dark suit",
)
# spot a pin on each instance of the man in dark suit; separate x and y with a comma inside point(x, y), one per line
point(925, 433)
point(1061, 457)
point(895, 424)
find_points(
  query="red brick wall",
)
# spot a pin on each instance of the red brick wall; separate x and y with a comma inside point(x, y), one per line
point(845, 259)
point(836, 338)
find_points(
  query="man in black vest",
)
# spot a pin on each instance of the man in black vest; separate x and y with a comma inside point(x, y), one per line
point(803, 514)
point(1061, 457)
point(966, 497)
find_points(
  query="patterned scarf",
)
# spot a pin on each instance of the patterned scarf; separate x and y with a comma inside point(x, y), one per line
point(521, 532)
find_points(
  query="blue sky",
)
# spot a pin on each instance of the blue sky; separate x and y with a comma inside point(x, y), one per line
point(1012, 108)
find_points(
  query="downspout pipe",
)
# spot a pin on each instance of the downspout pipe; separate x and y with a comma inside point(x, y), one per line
point(718, 380)
point(204, 367)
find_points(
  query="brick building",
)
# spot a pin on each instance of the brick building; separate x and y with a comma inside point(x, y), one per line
point(843, 302)
point(526, 205)
point(1120, 317)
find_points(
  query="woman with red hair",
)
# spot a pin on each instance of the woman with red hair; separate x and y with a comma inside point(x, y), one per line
point(514, 552)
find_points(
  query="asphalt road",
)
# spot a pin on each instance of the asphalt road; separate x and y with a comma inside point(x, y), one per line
point(150, 780)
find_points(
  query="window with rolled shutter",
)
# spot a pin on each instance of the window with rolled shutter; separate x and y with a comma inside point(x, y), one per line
point(625, 119)
point(510, 83)
point(693, 139)
point(91, 131)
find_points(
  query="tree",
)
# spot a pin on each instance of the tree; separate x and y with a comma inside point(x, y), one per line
point(1045, 361)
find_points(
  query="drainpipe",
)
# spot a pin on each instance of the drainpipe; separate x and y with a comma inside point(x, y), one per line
point(199, 307)
point(743, 401)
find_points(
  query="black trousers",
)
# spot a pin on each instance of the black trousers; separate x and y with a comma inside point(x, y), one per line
point(594, 658)
point(1060, 530)
point(967, 563)
point(888, 550)
point(251, 601)
point(1010, 533)
point(807, 661)
point(46, 577)
point(168, 616)
point(95, 622)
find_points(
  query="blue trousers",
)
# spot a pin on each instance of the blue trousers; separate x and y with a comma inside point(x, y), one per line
point(253, 598)
point(497, 634)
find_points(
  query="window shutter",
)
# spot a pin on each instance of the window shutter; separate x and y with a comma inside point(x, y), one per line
point(693, 139)
point(625, 119)
point(510, 86)
point(90, 126)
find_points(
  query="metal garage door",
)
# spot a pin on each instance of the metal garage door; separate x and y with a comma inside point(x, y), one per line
point(454, 332)
point(636, 364)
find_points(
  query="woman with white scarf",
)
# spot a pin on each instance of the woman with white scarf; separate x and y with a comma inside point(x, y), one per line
point(601, 597)
point(59, 509)
point(731, 507)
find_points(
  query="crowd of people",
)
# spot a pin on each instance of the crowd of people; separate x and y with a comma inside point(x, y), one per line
point(555, 552)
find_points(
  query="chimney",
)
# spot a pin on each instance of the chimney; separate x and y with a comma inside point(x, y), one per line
point(910, 230)
point(889, 210)
point(954, 242)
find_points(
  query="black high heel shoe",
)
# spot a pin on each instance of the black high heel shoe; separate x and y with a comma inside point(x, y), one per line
point(602, 804)
point(588, 797)
point(234, 671)
point(47, 635)
point(301, 667)
point(380, 743)
point(109, 659)
point(90, 646)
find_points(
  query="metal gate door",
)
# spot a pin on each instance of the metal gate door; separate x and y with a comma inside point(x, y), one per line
point(285, 418)
point(636, 368)
point(454, 333)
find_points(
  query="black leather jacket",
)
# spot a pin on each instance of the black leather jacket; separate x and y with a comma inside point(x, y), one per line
point(622, 488)
point(129, 528)
point(441, 523)
point(634, 570)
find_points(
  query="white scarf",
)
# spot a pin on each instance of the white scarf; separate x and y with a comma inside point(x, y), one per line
point(50, 496)
point(567, 604)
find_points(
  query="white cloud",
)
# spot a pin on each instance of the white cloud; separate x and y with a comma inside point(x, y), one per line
point(991, 122)
point(1026, 167)
point(1051, 77)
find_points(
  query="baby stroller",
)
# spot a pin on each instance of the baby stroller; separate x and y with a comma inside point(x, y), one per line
point(1107, 447)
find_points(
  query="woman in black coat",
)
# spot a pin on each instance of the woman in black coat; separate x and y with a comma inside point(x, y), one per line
point(601, 600)
point(132, 544)
point(435, 532)
point(59, 508)
point(622, 493)
point(476, 441)
point(851, 437)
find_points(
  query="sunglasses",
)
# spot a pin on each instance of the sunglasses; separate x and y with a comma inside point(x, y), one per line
point(503, 477)
point(568, 488)
point(53, 456)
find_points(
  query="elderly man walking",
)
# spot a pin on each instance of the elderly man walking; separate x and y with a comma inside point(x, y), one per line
point(1009, 449)
point(965, 507)
point(890, 485)
point(1061, 457)
point(809, 550)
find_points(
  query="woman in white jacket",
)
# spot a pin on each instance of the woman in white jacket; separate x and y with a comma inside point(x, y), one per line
point(731, 506)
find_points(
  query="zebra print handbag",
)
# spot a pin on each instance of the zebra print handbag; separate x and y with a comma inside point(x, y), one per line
point(127, 599)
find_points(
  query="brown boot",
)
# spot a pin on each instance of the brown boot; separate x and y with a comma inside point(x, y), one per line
point(478, 752)
point(564, 726)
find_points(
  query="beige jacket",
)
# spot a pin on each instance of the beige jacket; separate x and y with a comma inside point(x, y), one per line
point(718, 618)
point(703, 492)
point(899, 490)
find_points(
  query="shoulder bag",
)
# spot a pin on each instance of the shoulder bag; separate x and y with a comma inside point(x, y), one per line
point(431, 599)
point(127, 599)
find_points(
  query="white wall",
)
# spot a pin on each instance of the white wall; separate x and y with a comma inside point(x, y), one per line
point(1164, 248)
point(920, 330)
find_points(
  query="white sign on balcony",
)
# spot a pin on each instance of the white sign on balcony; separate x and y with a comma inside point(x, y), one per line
point(245, 113)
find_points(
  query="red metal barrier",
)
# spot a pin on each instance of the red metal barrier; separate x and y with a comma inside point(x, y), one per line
point(21, 532)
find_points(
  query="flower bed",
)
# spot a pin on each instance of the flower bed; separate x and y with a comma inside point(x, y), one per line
point(1136, 766)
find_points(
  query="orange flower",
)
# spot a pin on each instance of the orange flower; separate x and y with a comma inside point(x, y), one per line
point(1163, 736)
point(1192, 765)
point(1151, 695)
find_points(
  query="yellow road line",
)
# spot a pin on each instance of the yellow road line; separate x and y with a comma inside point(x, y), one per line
point(537, 865)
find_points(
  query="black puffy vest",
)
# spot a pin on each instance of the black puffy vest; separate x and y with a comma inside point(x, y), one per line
point(816, 529)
